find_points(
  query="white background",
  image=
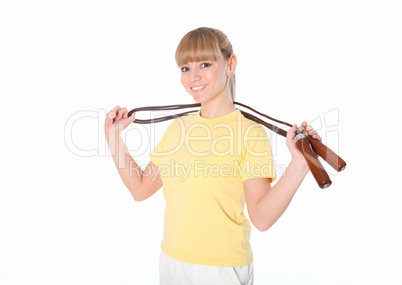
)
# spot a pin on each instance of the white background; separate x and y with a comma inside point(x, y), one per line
point(66, 218)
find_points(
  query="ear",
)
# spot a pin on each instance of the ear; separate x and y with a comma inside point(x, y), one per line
point(232, 64)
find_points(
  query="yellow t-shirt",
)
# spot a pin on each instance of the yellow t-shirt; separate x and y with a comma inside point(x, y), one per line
point(203, 163)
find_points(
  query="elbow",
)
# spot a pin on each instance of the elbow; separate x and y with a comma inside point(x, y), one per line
point(263, 223)
point(259, 223)
point(136, 199)
point(136, 196)
point(262, 227)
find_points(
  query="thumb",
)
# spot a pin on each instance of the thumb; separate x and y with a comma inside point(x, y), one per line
point(291, 132)
point(129, 120)
point(132, 117)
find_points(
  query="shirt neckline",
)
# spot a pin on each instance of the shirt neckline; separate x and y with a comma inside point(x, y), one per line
point(228, 116)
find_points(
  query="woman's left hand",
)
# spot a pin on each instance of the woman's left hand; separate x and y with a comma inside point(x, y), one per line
point(296, 154)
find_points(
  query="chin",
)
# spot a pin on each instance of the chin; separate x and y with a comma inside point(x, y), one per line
point(199, 99)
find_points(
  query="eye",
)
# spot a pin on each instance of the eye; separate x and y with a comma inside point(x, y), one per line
point(184, 69)
point(205, 64)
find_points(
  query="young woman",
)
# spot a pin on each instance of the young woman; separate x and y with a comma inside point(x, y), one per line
point(210, 164)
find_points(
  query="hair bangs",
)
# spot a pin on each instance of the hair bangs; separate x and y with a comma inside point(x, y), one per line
point(198, 45)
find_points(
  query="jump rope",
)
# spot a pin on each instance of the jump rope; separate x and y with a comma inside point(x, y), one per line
point(310, 148)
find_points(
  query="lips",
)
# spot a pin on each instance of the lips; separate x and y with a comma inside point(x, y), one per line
point(198, 88)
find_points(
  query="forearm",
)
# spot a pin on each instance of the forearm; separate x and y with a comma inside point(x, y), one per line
point(128, 169)
point(274, 203)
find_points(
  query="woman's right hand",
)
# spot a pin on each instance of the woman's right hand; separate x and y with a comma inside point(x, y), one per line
point(117, 120)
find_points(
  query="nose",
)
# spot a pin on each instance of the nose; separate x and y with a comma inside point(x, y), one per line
point(195, 75)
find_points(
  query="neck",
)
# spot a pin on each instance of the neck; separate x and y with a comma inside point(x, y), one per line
point(218, 107)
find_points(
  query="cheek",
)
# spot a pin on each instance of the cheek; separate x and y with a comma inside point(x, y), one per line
point(220, 74)
point(210, 76)
point(184, 80)
point(224, 72)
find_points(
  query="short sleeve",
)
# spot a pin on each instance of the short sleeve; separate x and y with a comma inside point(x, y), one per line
point(157, 153)
point(257, 160)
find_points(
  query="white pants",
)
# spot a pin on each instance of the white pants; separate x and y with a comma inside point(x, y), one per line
point(174, 272)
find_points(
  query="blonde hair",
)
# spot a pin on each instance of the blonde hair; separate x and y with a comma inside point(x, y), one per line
point(205, 44)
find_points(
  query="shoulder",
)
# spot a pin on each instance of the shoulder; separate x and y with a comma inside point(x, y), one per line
point(252, 128)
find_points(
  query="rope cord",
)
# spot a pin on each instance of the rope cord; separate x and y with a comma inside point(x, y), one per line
point(275, 129)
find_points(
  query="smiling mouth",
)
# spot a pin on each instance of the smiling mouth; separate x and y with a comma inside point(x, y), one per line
point(198, 88)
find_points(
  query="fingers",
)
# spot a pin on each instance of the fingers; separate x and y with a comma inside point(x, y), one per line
point(128, 120)
point(311, 132)
point(117, 114)
point(112, 114)
point(119, 117)
point(122, 113)
point(316, 136)
point(309, 129)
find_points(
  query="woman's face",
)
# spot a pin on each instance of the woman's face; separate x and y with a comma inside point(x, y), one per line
point(205, 80)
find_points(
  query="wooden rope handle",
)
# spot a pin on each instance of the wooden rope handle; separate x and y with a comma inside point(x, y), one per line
point(316, 168)
point(327, 154)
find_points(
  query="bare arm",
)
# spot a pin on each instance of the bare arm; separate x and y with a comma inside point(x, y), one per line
point(266, 204)
point(141, 184)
